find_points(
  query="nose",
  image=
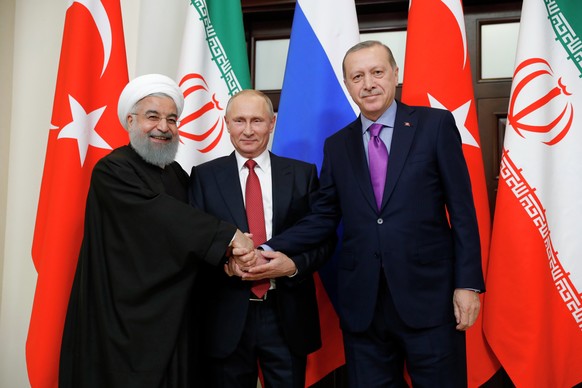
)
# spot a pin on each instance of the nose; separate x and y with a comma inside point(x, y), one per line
point(368, 81)
point(163, 125)
point(248, 130)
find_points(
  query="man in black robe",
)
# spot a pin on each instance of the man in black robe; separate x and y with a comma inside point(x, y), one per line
point(129, 315)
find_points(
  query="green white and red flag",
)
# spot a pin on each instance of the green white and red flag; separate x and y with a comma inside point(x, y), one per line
point(533, 315)
point(213, 66)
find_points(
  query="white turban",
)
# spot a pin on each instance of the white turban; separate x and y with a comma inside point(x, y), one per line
point(144, 86)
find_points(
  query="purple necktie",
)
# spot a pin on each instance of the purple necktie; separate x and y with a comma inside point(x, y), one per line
point(378, 162)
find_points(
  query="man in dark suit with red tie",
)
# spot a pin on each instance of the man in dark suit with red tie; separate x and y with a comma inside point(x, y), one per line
point(264, 194)
point(410, 266)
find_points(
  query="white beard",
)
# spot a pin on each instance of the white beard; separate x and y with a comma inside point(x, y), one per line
point(155, 153)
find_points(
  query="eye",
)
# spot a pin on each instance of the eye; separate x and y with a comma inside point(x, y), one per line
point(357, 77)
point(378, 73)
point(153, 117)
point(172, 121)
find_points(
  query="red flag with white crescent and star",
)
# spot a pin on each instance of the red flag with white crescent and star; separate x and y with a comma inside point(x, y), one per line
point(84, 127)
point(438, 74)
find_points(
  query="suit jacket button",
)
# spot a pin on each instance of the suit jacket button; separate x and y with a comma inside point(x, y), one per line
point(380, 221)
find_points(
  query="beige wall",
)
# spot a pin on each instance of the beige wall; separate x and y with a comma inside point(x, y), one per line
point(33, 33)
point(6, 50)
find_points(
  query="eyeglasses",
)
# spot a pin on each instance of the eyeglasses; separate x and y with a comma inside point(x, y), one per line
point(154, 119)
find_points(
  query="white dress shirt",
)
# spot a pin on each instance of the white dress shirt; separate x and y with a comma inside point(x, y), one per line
point(263, 170)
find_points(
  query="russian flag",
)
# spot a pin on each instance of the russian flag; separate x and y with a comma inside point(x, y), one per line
point(314, 101)
point(315, 104)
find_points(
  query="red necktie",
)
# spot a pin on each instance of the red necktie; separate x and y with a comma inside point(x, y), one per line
point(378, 157)
point(256, 220)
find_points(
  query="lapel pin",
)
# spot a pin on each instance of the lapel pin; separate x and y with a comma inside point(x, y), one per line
point(406, 124)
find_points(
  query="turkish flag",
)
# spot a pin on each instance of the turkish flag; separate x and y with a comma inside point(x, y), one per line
point(438, 74)
point(84, 127)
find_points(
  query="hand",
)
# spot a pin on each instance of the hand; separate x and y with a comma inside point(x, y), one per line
point(466, 304)
point(232, 268)
point(242, 243)
point(243, 251)
point(275, 264)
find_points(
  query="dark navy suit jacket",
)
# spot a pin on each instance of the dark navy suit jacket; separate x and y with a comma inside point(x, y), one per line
point(215, 188)
point(409, 240)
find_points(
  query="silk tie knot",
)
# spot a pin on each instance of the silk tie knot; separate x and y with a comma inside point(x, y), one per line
point(375, 129)
point(250, 164)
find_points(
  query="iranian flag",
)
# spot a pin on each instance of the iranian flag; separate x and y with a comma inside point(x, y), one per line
point(213, 66)
point(533, 315)
point(84, 127)
point(438, 74)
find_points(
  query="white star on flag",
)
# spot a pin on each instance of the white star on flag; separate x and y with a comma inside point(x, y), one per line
point(460, 115)
point(82, 128)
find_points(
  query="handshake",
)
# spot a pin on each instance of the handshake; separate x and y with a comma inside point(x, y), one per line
point(249, 263)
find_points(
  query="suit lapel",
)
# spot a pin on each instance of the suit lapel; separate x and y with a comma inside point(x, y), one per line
point(227, 178)
point(358, 161)
point(404, 129)
point(282, 178)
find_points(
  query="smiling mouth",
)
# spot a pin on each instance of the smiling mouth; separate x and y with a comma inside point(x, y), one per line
point(161, 138)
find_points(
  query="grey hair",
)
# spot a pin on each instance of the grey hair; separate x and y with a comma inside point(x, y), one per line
point(253, 92)
point(368, 44)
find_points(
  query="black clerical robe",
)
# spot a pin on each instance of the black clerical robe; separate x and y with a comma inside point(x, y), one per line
point(129, 306)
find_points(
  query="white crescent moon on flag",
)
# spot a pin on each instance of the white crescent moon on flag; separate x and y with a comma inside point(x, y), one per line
point(457, 10)
point(97, 11)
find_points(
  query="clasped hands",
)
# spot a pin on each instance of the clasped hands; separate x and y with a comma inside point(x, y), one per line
point(249, 263)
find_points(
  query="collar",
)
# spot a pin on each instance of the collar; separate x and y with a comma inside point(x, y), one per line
point(387, 119)
point(263, 160)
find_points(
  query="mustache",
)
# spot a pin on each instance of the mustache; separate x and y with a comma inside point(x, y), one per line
point(373, 92)
point(161, 135)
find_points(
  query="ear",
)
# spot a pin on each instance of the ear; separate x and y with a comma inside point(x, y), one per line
point(272, 124)
point(129, 120)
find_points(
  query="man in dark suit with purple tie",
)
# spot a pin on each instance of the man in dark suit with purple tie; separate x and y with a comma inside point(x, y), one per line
point(409, 271)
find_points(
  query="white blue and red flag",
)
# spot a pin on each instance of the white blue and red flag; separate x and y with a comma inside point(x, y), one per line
point(315, 104)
